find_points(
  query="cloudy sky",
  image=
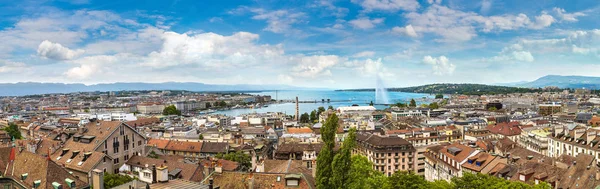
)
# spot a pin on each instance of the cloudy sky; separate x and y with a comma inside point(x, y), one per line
point(310, 43)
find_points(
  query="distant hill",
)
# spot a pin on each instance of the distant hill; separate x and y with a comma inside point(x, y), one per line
point(564, 82)
point(468, 89)
point(31, 88)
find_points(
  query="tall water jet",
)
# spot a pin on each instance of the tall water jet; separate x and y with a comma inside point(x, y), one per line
point(381, 96)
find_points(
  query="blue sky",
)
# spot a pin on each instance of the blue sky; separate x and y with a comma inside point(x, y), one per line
point(320, 43)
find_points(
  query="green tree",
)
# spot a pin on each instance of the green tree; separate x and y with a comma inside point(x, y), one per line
point(320, 110)
point(492, 109)
point(241, 158)
point(313, 116)
point(113, 180)
point(304, 118)
point(342, 161)
point(222, 103)
point(434, 105)
point(208, 105)
point(171, 110)
point(13, 131)
point(371, 104)
point(362, 175)
point(407, 180)
point(440, 184)
point(413, 103)
point(330, 108)
point(200, 137)
point(400, 105)
point(439, 96)
point(325, 157)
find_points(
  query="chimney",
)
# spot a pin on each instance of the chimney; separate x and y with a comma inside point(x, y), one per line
point(598, 175)
point(162, 174)
point(154, 179)
point(97, 179)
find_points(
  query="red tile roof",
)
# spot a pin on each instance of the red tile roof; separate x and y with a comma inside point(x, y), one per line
point(506, 129)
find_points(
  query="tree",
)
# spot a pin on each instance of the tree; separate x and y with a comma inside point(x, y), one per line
point(325, 157)
point(171, 110)
point(400, 105)
point(371, 104)
point(200, 137)
point(342, 161)
point(362, 175)
point(113, 180)
point(222, 103)
point(242, 158)
point(320, 110)
point(304, 118)
point(407, 180)
point(434, 105)
point(439, 96)
point(13, 131)
point(492, 109)
point(330, 108)
point(413, 103)
point(313, 116)
point(208, 105)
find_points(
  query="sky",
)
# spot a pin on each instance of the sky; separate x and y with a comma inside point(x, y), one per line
point(306, 43)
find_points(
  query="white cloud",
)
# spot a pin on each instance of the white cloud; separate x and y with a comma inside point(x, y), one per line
point(512, 53)
point(215, 19)
point(7, 66)
point(365, 23)
point(407, 31)
point(278, 21)
point(456, 26)
point(56, 51)
point(568, 17)
point(440, 65)
point(434, 1)
point(388, 5)
point(486, 5)
point(364, 54)
point(313, 66)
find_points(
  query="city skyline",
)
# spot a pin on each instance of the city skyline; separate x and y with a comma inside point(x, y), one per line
point(327, 44)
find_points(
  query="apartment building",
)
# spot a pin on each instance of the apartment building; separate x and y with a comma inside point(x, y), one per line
point(573, 140)
point(535, 139)
point(510, 130)
point(549, 109)
point(445, 162)
point(388, 153)
point(421, 138)
point(150, 108)
point(102, 145)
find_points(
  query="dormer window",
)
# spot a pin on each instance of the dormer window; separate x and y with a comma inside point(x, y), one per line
point(37, 183)
point(70, 183)
point(24, 176)
point(64, 151)
point(292, 179)
point(56, 185)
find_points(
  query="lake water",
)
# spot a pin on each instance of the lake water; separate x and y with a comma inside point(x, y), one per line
point(347, 98)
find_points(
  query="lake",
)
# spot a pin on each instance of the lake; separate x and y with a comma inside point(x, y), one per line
point(344, 98)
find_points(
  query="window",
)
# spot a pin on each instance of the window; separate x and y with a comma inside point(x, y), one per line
point(105, 145)
point(402, 153)
point(126, 157)
point(121, 130)
point(116, 145)
point(147, 175)
point(116, 160)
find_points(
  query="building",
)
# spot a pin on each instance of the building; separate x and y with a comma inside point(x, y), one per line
point(406, 113)
point(356, 109)
point(535, 139)
point(150, 108)
point(510, 130)
point(102, 145)
point(388, 153)
point(443, 162)
point(22, 169)
point(549, 109)
point(573, 140)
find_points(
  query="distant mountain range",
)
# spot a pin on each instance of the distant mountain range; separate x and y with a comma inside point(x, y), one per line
point(559, 81)
point(31, 88)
